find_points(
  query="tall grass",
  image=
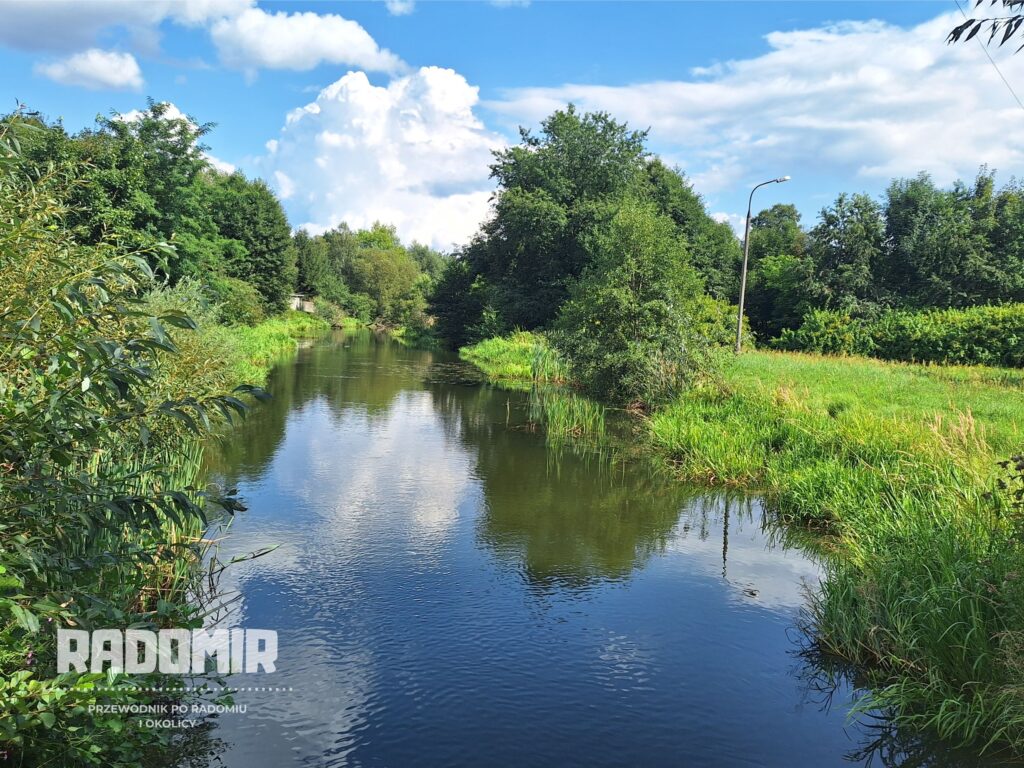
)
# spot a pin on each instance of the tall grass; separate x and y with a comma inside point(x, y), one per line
point(566, 414)
point(899, 463)
point(253, 350)
point(521, 356)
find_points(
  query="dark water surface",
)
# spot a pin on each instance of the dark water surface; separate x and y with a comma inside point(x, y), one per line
point(449, 590)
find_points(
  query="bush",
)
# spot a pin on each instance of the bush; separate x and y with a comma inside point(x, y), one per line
point(716, 321)
point(828, 333)
point(987, 335)
point(238, 302)
point(990, 335)
point(102, 522)
point(329, 312)
point(627, 328)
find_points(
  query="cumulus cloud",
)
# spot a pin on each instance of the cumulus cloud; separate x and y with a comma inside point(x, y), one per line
point(411, 153)
point(855, 99)
point(95, 69)
point(245, 36)
point(256, 39)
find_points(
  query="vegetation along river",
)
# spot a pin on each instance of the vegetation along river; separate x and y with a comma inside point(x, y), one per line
point(450, 588)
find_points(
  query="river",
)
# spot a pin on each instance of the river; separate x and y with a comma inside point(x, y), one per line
point(450, 588)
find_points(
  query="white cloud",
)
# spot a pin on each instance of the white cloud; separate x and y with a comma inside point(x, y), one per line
point(284, 184)
point(856, 99)
point(72, 24)
point(256, 39)
point(245, 36)
point(400, 7)
point(221, 166)
point(412, 154)
point(95, 69)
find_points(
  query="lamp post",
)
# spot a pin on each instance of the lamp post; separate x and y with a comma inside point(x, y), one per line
point(746, 253)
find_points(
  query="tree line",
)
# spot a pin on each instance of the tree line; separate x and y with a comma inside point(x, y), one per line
point(591, 238)
point(920, 247)
point(140, 180)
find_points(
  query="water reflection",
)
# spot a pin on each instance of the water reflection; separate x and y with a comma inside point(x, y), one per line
point(450, 589)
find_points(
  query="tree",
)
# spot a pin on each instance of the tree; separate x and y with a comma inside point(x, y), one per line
point(552, 189)
point(140, 181)
point(950, 248)
point(432, 263)
point(311, 261)
point(845, 247)
point(714, 249)
point(457, 302)
point(626, 329)
point(389, 277)
point(1003, 27)
point(780, 273)
point(249, 213)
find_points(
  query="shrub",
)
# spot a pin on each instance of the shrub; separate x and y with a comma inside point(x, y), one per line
point(627, 330)
point(238, 302)
point(716, 322)
point(986, 335)
point(101, 523)
point(329, 312)
point(828, 333)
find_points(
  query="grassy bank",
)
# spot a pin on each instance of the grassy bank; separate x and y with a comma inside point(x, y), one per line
point(523, 357)
point(896, 464)
point(114, 536)
point(253, 350)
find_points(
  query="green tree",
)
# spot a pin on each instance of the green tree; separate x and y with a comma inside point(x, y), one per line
point(553, 187)
point(845, 248)
point(951, 248)
point(780, 273)
point(626, 329)
point(312, 263)
point(248, 213)
point(715, 251)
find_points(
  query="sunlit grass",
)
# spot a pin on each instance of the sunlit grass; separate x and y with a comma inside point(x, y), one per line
point(254, 350)
point(898, 462)
point(520, 356)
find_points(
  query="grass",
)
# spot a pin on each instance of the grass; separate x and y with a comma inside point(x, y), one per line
point(566, 414)
point(897, 464)
point(253, 350)
point(522, 356)
point(897, 461)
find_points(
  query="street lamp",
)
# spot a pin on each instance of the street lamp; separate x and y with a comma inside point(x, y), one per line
point(746, 253)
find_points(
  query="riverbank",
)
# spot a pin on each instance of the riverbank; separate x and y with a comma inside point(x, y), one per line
point(139, 563)
point(896, 464)
point(251, 351)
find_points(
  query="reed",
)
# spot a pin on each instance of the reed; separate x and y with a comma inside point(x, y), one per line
point(521, 356)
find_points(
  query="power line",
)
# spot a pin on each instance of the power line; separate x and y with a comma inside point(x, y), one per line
point(993, 63)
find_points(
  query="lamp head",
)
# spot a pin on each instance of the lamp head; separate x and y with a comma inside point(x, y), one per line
point(782, 179)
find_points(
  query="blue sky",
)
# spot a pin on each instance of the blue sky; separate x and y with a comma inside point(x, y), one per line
point(840, 95)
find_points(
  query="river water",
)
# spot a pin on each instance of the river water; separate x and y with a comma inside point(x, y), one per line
point(450, 588)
